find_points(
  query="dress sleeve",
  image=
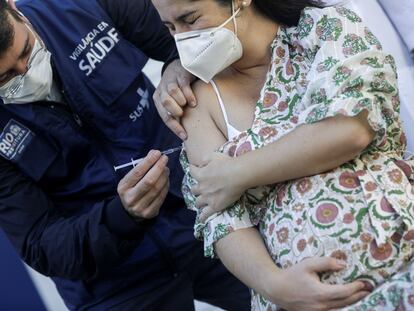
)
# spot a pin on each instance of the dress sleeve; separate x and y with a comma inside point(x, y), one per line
point(244, 213)
point(349, 71)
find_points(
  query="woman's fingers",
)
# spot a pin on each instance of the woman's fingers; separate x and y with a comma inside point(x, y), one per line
point(335, 296)
point(195, 172)
point(341, 303)
point(196, 191)
point(323, 264)
point(339, 292)
point(201, 201)
point(206, 212)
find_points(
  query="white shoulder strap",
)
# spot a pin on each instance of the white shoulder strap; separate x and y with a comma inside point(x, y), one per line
point(231, 130)
point(223, 109)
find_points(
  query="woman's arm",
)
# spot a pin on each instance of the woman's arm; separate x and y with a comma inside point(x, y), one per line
point(308, 150)
point(243, 251)
point(295, 289)
point(350, 76)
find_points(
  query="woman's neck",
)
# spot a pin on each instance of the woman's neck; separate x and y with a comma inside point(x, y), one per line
point(259, 34)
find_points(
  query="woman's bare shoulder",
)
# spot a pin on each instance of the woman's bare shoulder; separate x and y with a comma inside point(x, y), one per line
point(204, 94)
point(204, 136)
point(207, 104)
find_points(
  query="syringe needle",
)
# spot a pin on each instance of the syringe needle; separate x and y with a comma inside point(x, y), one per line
point(136, 162)
point(172, 150)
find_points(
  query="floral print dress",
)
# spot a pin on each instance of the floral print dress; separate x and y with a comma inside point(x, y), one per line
point(361, 212)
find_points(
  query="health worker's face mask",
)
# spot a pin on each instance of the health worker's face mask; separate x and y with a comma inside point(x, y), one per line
point(36, 83)
point(206, 52)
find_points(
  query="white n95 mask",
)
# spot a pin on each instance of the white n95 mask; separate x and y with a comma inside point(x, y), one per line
point(36, 83)
point(206, 52)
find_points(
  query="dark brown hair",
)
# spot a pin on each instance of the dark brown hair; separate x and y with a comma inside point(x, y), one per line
point(6, 27)
point(286, 12)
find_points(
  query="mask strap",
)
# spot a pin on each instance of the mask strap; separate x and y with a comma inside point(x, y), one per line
point(22, 16)
point(30, 29)
point(37, 38)
point(232, 17)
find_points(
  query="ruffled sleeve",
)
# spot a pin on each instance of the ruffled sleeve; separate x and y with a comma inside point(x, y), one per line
point(244, 213)
point(349, 74)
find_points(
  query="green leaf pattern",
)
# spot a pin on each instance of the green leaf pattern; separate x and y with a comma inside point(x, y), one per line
point(361, 212)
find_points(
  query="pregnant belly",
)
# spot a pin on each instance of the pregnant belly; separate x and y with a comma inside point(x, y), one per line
point(308, 218)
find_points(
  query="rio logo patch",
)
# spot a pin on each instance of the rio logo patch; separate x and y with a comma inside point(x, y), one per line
point(14, 139)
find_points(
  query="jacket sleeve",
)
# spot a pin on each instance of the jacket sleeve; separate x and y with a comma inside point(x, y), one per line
point(139, 22)
point(77, 247)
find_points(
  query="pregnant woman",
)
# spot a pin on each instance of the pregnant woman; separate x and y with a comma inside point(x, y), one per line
point(297, 136)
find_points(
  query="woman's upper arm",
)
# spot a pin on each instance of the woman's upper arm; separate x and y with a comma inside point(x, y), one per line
point(350, 75)
point(204, 136)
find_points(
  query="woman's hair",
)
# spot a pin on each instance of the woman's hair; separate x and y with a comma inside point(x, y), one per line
point(6, 27)
point(286, 12)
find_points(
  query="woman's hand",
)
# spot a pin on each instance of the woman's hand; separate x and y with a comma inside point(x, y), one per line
point(172, 95)
point(218, 184)
point(299, 287)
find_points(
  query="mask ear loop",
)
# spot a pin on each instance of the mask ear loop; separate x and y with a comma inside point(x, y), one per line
point(234, 22)
point(232, 17)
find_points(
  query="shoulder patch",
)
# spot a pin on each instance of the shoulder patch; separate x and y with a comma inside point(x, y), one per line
point(14, 139)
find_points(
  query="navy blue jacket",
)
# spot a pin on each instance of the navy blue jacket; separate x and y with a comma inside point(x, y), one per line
point(58, 199)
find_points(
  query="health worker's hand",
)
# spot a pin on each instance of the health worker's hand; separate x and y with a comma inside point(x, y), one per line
point(217, 184)
point(299, 287)
point(144, 188)
point(172, 95)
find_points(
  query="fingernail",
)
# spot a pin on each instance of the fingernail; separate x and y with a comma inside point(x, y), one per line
point(153, 153)
point(182, 135)
point(342, 263)
point(367, 286)
point(193, 103)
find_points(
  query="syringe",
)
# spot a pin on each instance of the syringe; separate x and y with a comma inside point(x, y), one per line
point(136, 162)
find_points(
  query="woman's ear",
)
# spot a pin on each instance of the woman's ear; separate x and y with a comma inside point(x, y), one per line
point(242, 4)
point(245, 3)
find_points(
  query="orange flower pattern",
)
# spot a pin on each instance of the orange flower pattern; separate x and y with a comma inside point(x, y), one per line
point(361, 212)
